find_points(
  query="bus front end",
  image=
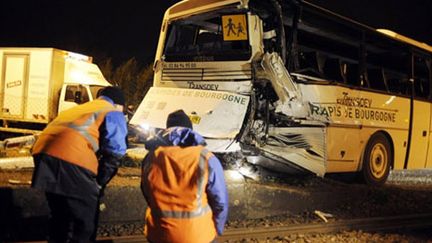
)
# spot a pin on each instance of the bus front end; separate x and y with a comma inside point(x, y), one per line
point(222, 63)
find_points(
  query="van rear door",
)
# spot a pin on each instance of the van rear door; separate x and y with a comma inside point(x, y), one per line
point(14, 85)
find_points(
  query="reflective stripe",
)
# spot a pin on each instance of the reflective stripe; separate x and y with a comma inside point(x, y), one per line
point(201, 210)
point(181, 214)
point(201, 167)
point(83, 129)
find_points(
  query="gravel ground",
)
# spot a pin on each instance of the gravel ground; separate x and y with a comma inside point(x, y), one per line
point(406, 192)
point(419, 236)
point(345, 237)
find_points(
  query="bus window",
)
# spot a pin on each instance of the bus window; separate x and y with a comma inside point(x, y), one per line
point(200, 37)
point(388, 64)
point(398, 83)
point(351, 74)
point(209, 39)
point(309, 64)
point(375, 77)
point(332, 70)
point(421, 78)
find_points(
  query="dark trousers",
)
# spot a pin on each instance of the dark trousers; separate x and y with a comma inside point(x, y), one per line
point(71, 219)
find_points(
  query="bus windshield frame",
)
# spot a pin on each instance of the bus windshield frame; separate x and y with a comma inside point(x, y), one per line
point(200, 38)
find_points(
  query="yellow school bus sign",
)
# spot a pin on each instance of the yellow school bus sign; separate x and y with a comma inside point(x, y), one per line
point(195, 119)
point(234, 27)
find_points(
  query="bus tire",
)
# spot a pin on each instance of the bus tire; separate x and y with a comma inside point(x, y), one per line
point(377, 159)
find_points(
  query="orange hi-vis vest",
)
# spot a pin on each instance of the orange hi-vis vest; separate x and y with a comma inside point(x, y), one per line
point(174, 183)
point(74, 135)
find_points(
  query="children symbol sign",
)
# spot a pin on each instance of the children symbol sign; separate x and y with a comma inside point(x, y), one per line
point(234, 27)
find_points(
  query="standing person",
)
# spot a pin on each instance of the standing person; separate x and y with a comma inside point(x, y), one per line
point(184, 186)
point(75, 156)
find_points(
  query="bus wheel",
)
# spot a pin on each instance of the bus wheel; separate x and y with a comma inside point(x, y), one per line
point(376, 160)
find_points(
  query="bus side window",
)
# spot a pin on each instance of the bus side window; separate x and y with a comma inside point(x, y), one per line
point(309, 64)
point(332, 70)
point(421, 78)
point(397, 83)
point(421, 88)
point(351, 73)
point(376, 79)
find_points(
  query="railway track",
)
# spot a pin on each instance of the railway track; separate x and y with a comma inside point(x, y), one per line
point(378, 224)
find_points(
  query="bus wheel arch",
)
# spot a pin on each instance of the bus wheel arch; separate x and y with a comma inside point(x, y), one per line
point(377, 159)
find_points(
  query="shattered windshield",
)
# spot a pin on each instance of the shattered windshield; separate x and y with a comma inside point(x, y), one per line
point(208, 37)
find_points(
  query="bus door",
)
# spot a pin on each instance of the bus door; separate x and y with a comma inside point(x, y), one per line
point(420, 120)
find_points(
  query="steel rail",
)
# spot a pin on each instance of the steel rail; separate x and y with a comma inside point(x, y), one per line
point(377, 224)
point(365, 224)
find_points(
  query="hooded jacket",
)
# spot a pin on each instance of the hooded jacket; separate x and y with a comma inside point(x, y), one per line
point(173, 157)
point(69, 176)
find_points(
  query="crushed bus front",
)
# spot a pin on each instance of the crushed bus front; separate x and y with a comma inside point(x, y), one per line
point(220, 62)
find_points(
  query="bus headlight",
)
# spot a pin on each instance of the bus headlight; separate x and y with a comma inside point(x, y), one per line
point(142, 132)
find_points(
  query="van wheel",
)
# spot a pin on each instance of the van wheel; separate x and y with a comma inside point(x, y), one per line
point(376, 160)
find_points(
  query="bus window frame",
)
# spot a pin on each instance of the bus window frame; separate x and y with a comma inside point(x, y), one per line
point(419, 55)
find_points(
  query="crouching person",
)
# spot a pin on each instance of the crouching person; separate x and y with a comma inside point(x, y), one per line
point(184, 186)
point(75, 156)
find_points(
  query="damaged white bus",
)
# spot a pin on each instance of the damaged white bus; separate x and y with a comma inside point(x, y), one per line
point(289, 85)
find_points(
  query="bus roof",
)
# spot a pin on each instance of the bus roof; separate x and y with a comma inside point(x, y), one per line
point(406, 39)
point(197, 5)
point(386, 32)
point(183, 8)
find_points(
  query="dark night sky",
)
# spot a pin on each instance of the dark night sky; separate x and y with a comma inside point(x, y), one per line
point(125, 29)
point(411, 18)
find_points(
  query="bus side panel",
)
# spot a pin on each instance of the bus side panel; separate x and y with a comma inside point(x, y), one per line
point(399, 139)
point(360, 138)
point(389, 114)
point(429, 153)
point(343, 145)
point(419, 135)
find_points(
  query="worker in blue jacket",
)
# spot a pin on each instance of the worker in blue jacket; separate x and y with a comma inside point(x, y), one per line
point(183, 184)
point(75, 157)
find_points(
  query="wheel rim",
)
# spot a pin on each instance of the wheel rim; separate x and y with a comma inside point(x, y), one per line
point(378, 160)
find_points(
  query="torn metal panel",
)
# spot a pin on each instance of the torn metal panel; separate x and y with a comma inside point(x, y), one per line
point(227, 145)
point(281, 81)
point(275, 163)
point(302, 146)
point(290, 100)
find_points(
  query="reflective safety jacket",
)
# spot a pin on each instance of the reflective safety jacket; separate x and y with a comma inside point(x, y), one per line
point(74, 135)
point(174, 182)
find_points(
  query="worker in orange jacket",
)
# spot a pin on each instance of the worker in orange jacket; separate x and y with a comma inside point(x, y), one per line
point(75, 156)
point(184, 186)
